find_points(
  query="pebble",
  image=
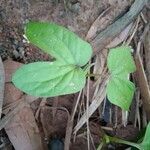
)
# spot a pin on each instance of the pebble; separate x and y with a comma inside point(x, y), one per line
point(16, 53)
point(76, 7)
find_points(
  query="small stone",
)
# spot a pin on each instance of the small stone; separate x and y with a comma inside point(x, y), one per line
point(15, 42)
point(21, 51)
point(76, 7)
point(15, 53)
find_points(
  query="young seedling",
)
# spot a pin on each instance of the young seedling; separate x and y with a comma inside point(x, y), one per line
point(119, 89)
point(144, 145)
point(67, 74)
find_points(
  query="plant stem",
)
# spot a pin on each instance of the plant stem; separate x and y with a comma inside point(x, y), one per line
point(100, 146)
point(117, 140)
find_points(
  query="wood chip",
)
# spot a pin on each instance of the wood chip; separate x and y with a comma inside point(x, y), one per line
point(2, 82)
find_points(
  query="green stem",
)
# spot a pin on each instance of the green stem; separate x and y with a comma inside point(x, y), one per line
point(117, 140)
point(100, 146)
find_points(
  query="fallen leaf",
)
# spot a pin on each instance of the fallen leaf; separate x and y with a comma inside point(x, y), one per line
point(23, 131)
point(142, 84)
point(19, 121)
point(96, 24)
point(120, 38)
point(106, 18)
point(12, 94)
point(10, 68)
point(108, 34)
point(147, 55)
point(92, 108)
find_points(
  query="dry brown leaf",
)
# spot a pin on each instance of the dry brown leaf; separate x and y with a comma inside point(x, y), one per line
point(120, 38)
point(12, 94)
point(10, 111)
point(20, 124)
point(2, 82)
point(23, 131)
point(100, 62)
point(106, 18)
point(92, 108)
point(10, 67)
point(96, 25)
point(30, 99)
point(147, 55)
point(108, 34)
point(143, 84)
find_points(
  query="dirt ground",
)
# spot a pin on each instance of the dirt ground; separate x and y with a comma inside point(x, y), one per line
point(77, 16)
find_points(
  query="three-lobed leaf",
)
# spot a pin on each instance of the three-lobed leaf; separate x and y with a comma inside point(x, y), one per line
point(47, 79)
point(59, 42)
point(120, 90)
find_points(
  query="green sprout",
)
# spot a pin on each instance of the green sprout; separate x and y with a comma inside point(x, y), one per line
point(67, 73)
point(144, 145)
point(119, 89)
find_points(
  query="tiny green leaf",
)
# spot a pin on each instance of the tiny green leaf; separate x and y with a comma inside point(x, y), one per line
point(59, 42)
point(120, 61)
point(120, 92)
point(45, 79)
point(119, 89)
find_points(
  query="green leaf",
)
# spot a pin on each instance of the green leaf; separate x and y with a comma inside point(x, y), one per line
point(145, 145)
point(45, 79)
point(120, 61)
point(120, 92)
point(59, 42)
point(119, 89)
